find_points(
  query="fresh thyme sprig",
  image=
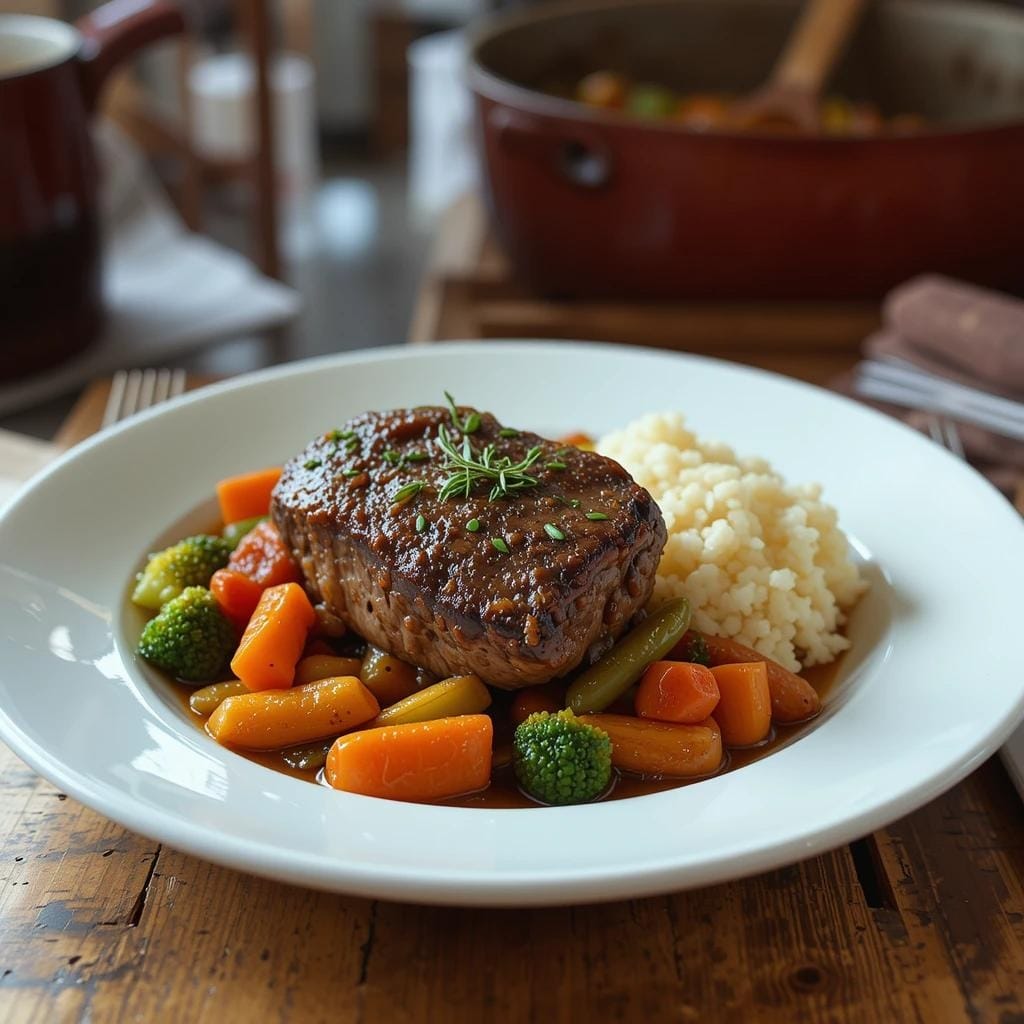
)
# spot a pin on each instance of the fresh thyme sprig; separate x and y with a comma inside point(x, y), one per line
point(470, 466)
point(469, 425)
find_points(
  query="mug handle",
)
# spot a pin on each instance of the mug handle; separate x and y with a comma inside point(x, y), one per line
point(115, 31)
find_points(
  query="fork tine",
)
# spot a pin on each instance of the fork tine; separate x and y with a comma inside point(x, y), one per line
point(944, 432)
point(162, 388)
point(178, 381)
point(951, 438)
point(130, 402)
point(112, 413)
point(147, 389)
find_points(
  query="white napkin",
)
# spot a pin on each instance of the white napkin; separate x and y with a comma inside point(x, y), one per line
point(168, 291)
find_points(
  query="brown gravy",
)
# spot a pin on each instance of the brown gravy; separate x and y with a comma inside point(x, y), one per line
point(503, 790)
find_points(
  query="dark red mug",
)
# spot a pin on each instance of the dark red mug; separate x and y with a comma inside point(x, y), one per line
point(51, 74)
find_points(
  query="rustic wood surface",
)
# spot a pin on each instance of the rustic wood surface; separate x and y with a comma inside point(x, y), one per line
point(922, 921)
point(470, 292)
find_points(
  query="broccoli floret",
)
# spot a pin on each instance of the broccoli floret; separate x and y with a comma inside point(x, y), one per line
point(189, 563)
point(694, 649)
point(190, 638)
point(560, 759)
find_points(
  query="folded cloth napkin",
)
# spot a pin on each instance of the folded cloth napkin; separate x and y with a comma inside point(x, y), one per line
point(938, 322)
point(961, 334)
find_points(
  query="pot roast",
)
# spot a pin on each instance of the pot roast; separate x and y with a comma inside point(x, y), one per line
point(465, 547)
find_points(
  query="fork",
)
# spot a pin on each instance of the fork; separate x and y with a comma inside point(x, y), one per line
point(133, 391)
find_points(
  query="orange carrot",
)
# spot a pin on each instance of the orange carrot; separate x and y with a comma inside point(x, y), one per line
point(283, 718)
point(263, 556)
point(675, 691)
point(579, 440)
point(662, 748)
point(248, 495)
point(548, 697)
point(793, 698)
point(744, 712)
point(272, 642)
point(236, 594)
point(420, 761)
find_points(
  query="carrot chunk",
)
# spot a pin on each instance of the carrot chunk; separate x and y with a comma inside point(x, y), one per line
point(793, 698)
point(675, 691)
point(263, 556)
point(236, 594)
point(247, 495)
point(549, 697)
point(662, 748)
point(284, 718)
point(272, 642)
point(420, 761)
point(744, 711)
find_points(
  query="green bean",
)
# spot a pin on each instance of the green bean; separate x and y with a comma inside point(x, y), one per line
point(606, 680)
point(234, 532)
point(208, 699)
point(309, 756)
point(458, 695)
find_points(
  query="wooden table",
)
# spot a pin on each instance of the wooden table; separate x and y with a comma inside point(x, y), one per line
point(470, 291)
point(922, 921)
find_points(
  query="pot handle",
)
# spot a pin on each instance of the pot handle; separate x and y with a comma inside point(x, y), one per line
point(115, 31)
point(576, 153)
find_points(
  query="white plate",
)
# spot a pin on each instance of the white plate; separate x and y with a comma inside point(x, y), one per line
point(932, 689)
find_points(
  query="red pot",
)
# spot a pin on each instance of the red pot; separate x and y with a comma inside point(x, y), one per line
point(596, 202)
point(50, 76)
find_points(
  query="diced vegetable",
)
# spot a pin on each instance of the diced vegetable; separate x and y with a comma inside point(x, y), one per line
point(190, 637)
point(674, 691)
point(321, 666)
point(234, 532)
point(189, 563)
point(272, 642)
point(598, 686)
point(744, 713)
point(532, 699)
point(247, 495)
point(662, 748)
point(419, 761)
point(561, 759)
point(584, 441)
point(390, 679)
point(236, 594)
point(459, 695)
point(263, 556)
point(793, 698)
point(266, 721)
point(206, 700)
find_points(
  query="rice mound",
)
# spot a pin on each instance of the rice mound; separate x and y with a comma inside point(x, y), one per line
point(761, 561)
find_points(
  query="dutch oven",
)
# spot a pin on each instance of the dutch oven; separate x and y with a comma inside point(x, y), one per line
point(597, 202)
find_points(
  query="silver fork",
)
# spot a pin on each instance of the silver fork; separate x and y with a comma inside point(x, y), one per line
point(133, 391)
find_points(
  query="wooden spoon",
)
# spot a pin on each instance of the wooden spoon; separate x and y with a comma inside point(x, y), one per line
point(790, 98)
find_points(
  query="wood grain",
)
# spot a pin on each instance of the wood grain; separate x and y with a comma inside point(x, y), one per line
point(922, 922)
point(469, 292)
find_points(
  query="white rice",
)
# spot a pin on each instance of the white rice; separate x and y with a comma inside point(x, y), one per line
point(760, 561)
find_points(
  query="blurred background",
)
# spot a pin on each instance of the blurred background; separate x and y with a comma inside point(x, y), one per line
point(279, 179)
